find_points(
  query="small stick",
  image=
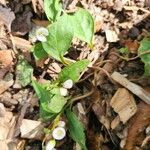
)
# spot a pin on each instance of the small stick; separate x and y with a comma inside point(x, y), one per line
point(136, 89)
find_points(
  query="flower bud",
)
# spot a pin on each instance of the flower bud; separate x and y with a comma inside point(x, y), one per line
point(68, 84)
point(61, 124)
point(59, 133)
point(50, 145)
point(41, 34)
point(63, 91)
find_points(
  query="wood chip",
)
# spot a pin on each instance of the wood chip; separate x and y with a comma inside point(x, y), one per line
point(135, 89)
point(111, 36)
point(124, 104)
point(4, 85)
point(22, 43)
point(6, 57)
point(31, 129)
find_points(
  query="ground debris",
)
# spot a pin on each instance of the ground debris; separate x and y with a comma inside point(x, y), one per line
point(124, 104)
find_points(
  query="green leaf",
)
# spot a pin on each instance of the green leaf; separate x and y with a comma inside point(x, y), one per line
point(59, 38)
point(52, 9)
point(51, 102)
point(124, 50)
point(73, 71)
point(145, 46)
point(83, 25)
point(38, 51)
point(24, 72)
point(76, 129)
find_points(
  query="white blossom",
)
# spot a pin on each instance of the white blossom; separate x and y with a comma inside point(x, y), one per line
point(63, 91)
point(68, 84)
point(59, 133)
point(61, 124)
point(41, 34)
point(50, 145)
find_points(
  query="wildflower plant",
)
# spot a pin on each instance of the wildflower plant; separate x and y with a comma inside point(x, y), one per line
point(55, 41)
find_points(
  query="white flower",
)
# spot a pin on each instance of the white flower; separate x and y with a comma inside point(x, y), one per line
point(63, 91)
point(61, 124)
point(59, 133)
point(50, 145)
point(68, 84)
point(41, 34)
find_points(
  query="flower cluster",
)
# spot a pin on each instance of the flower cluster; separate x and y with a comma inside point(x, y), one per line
point(58, 134)
point(68, 84)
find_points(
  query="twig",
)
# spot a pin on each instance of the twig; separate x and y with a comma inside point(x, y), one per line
point(136, 89)
point(133, 58)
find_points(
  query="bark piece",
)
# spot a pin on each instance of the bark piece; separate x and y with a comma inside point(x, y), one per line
point(124, 104)
point(31, 129)
point(111, 36)
point(135, 89)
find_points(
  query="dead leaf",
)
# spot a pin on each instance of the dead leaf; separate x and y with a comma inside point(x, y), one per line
point(3, 2)
point(6, 57)
point(137, 126)
point(124, 104)
point(31, 129)
point(43, 23)
point(22, 44)
point(111, 36)
point(7, 16)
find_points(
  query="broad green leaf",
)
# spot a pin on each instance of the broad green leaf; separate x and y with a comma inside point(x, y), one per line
point(73, 71)
point(76, 129)
point(147, 69)
point(145, 46)
point(51, 102)
point(24, 72)
point(39, 52)
point(52, 9)
point(57, 103)
point(83, 25)
point(59, 38)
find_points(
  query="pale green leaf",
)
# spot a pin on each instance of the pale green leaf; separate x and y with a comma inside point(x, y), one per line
point(59, 38)
point(24, 72)
point(73, 71)
point(83, 25)
point(52, 9)
point(76, 129)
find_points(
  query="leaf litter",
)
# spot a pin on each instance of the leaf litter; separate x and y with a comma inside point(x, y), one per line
point(109, 95)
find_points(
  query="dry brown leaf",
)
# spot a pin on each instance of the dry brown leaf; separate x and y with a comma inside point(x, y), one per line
point(7, 16)
point(31, 129)
point(22, 44)
point(137, 126)
point(43, 23)
point(124, 104)
point(6, 58)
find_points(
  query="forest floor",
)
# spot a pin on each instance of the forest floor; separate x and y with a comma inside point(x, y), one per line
point(113, 101)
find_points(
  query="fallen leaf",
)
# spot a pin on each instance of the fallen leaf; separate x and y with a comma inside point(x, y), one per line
point(6, 57)
point(111, 36)
point(137, 126)
point(31, 129)
point(124, 104)
point(7, 16)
